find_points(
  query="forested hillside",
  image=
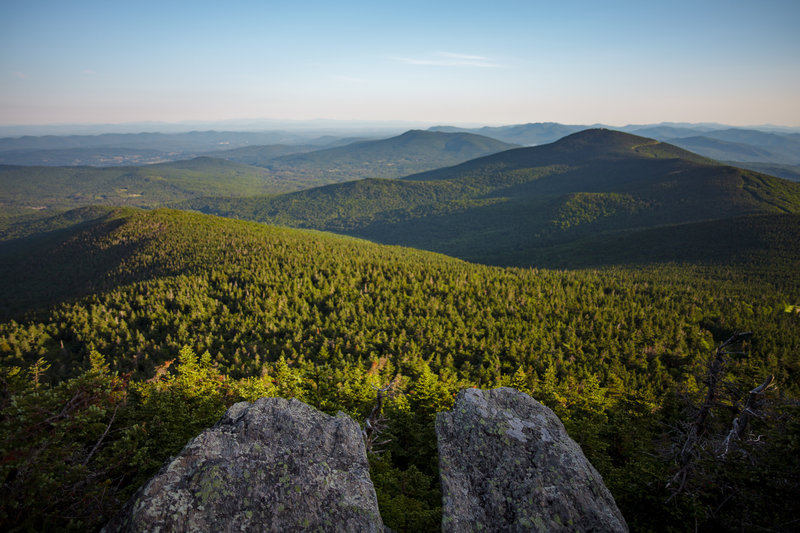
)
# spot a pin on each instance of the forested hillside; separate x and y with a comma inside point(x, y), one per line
point(411, 152)
point(128, 333)
point(28, 190)
point(522, 206)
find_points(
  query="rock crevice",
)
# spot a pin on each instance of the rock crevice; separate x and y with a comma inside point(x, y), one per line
point(506, 464)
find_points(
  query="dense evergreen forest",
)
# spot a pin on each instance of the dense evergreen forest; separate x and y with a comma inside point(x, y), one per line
point(126, 332)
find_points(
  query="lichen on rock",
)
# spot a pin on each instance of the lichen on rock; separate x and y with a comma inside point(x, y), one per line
point(507, 464)
point(274, 465)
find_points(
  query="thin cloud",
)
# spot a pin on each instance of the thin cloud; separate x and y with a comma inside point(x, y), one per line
point(21, 75)
point(463, 57)
point(89, 72)
point(450, 59)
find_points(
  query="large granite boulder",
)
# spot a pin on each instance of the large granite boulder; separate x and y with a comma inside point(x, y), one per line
point(507, 464)
point(274, 465)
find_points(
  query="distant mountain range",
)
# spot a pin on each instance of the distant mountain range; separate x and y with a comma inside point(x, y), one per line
point(544, 205)
point(113, 149)
point(772, 150)
point(280, 169)
point(519, 206)
point(764, 148)
point(746, 145)
point(522, 134)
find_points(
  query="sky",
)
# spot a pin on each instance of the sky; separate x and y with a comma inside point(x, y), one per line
point(437, 62)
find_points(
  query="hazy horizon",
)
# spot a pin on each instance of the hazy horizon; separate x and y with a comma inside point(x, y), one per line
point(312, 126)
point(466, 63)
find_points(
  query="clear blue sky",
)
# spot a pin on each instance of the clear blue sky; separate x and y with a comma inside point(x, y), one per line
point(615, 62)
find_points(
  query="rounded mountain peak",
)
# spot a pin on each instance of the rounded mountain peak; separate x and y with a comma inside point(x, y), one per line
point(603, 137)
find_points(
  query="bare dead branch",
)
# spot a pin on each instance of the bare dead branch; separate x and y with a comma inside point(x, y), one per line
point(102, 437)
point(750, 410)
point(375, 423)
point(695, 434)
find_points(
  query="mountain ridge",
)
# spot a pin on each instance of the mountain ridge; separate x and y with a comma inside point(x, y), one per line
point(589, 183)
point(590, 143)
point(412, 151)
point(765, 144)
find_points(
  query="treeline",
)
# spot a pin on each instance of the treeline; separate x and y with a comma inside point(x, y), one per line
point(620, 355)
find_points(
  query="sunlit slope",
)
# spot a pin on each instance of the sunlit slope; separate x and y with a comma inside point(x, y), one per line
point(95, 249)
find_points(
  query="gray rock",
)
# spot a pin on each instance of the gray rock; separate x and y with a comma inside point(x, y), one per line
point(507, 464)
point(274, 465)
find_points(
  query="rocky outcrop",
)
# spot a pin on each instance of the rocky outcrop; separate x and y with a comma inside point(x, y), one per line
point(274, 465)
point(507, 464)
